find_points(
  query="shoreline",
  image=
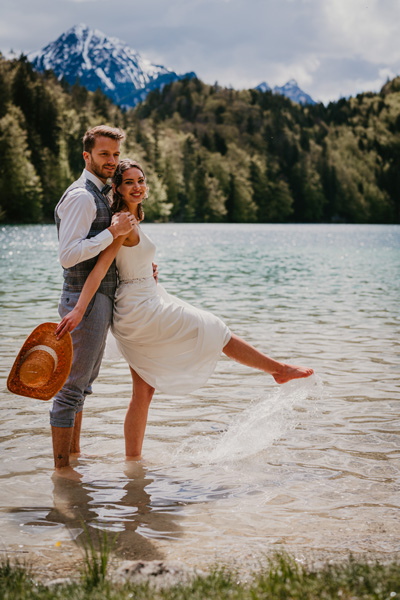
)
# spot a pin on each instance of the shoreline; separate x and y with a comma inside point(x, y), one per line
point(280, 577)
point(46, 566)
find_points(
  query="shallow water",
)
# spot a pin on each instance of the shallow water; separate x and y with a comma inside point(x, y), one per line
point(241, 467)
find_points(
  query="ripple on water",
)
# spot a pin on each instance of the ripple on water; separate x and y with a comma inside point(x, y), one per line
point(241, 466)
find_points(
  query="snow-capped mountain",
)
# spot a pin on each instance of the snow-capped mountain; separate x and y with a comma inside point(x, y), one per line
point(263, 87)
point(291, 90)
point(103, 62)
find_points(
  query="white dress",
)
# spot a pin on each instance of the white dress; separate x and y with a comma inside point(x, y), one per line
point(172, 345)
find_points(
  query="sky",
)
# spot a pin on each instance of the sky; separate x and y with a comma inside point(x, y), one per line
point(332, 48)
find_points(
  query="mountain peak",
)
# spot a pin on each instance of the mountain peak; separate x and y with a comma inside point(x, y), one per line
point(102, 62)
point(79, 29)
point(263, 87)
point(290, 90)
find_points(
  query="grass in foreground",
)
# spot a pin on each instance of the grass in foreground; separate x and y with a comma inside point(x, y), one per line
point(281, 579)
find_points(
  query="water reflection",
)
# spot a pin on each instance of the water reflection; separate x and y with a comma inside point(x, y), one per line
point(122, 507)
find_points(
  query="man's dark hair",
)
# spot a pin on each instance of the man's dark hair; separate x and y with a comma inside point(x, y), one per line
point(115, 133)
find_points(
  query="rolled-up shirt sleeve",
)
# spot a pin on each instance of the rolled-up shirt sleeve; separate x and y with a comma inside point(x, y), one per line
point(77, 213)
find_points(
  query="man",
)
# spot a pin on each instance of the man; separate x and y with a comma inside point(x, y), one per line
point(85, 228)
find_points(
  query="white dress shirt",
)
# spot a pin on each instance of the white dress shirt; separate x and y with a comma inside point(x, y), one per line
point(77, 212)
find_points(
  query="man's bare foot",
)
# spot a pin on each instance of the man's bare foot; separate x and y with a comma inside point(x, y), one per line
point(289, 372)
point(67, 473)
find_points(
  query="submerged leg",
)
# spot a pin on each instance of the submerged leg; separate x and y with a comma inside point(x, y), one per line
point(76, 434)
point(62, 437)
point(136, 416)
point(246, 354)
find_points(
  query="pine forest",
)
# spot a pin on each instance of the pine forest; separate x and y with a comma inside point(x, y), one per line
point(211, 154)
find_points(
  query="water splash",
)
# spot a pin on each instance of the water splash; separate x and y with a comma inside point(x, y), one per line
point(258, 427)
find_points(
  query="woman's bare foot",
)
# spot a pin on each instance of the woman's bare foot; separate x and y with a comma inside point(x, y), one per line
point(289, 372)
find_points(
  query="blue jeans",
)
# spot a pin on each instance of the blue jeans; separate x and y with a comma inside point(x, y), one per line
point(88, 340)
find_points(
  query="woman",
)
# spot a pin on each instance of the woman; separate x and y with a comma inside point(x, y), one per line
point(169, 345)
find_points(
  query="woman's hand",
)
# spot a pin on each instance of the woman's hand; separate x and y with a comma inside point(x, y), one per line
point(69, 322)
point(155, 272)
point(122, 223)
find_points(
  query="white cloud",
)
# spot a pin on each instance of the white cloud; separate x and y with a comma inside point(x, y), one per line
point(386, 73)
point(368, 28)
point(302, 70)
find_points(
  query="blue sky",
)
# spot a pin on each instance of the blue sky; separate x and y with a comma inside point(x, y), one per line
point(332, 48)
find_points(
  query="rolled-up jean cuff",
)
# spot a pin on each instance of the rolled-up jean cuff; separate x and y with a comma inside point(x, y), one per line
point(61, 423)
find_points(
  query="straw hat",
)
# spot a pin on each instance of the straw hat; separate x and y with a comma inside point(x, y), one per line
point(43, 364)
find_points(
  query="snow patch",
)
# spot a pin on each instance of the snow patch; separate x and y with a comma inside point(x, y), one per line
point(85, 52)
point(106, 80)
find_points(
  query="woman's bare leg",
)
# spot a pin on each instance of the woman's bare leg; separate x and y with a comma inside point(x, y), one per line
point(136, 416)
point(246, 354)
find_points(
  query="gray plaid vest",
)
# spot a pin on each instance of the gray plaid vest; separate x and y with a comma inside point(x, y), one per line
point(75, 277)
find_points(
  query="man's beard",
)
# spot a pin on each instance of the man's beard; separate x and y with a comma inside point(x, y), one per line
point(97, 169)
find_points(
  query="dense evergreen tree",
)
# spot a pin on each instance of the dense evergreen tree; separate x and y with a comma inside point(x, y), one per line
point(210, 153)
point(5, 86)
point(201, 192)
point(187, 208)
point(20, 188)
point(173, 189)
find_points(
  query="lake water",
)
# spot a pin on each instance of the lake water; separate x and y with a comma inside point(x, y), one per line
point(242, 467)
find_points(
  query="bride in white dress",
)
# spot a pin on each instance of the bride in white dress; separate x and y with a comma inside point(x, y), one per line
point(169, 345)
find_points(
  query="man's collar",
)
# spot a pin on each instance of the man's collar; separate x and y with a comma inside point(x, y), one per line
point(98, 183)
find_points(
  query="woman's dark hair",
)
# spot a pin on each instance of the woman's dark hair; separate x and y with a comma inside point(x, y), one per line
point(118, 203)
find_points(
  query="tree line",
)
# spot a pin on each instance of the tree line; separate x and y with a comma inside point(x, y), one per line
point(211, 154)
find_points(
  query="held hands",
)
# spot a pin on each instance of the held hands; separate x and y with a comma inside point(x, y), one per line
point(122, 223)
point(69, 322)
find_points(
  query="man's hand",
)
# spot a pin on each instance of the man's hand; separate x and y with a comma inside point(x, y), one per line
point(155, 272)
point(122, 223)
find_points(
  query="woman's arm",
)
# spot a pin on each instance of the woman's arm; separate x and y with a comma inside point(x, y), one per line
point(73, 318)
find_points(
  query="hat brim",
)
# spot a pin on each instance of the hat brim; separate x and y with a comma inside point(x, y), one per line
point(44, 334)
